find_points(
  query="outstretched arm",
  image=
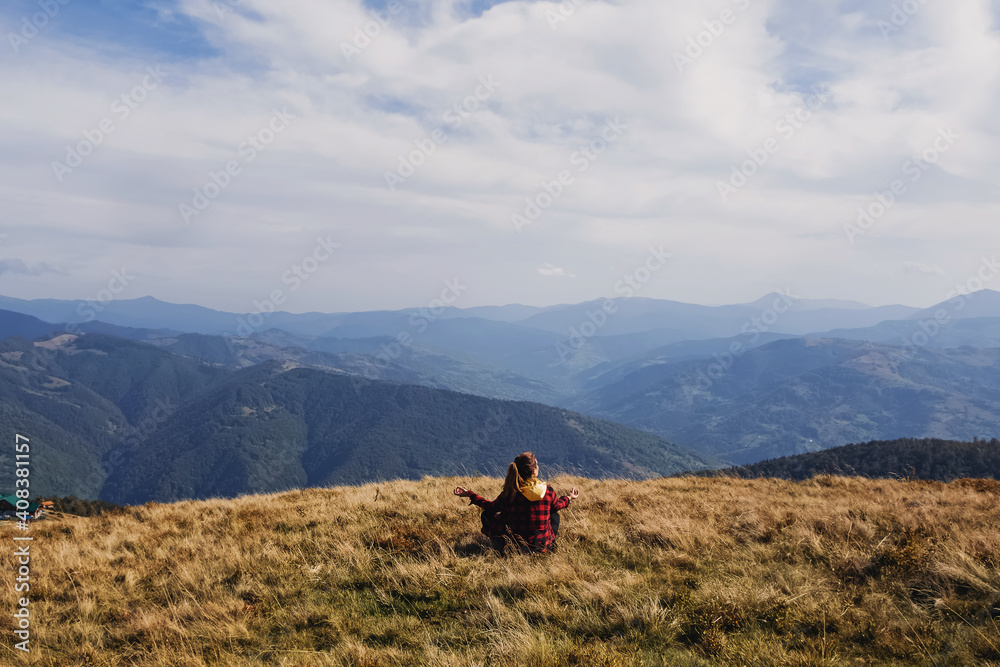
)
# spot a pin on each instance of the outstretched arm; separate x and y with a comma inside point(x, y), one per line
point(563, 502)
point(474, 498)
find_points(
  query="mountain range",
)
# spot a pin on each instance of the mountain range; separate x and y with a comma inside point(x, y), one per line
point(126, 421)
point(805, 394)
point(726, 384)
point(680, 321)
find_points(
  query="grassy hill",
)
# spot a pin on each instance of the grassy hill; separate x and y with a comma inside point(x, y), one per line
point(916, 458)
point(668, 572)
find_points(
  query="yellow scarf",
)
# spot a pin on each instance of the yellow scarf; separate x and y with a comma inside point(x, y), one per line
point(532, 488)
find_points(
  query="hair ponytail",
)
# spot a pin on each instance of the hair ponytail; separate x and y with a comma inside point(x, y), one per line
point(522, 468)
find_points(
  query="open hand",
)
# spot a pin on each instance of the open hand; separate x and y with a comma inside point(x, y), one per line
point(574, 494)
point(465, 493)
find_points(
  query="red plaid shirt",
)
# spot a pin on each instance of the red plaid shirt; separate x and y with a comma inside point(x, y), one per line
point(525, 519)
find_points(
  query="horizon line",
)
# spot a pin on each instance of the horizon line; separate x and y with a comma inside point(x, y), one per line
point(860, 304)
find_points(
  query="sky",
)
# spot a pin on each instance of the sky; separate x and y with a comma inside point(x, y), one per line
point(352, 156)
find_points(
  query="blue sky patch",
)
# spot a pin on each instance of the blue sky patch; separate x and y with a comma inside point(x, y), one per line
point(152, 30)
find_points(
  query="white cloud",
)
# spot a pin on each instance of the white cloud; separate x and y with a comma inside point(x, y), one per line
point(919, 267)
point(20, 267)
point(550, 270)
point(656, 186)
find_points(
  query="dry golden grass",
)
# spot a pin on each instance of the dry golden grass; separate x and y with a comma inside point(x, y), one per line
point(684, 571)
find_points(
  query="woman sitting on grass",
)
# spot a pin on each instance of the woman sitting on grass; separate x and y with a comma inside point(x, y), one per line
point(526, 510)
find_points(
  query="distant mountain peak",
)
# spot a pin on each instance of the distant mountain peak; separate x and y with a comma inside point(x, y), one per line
point(981, 303)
